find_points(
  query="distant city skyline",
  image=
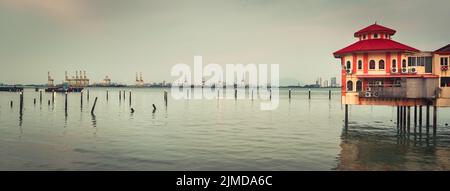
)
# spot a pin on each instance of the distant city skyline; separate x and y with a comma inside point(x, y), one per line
point(119, 38)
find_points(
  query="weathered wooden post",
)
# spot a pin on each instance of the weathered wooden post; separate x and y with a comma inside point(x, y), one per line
point(415, 117)
point(235, 93)
point(81, 98)
point(409, 118)
point(40, 97)
point(401, 118)
point(53, 97)
point(270, 93)
point(107, 95)
point(289, 93)
point(434, 119)
point(11, 104)
point(309, 94)
point(420, 119)
point(398, 117)
point(428, 118)
point(154, 108)
point(129, 97)
point(346, 116)
point(34, 101)
point(65, 102)
point(48, 102)
point(405, 120)
point(329, 94)
point(88, 95)
point(165, 97)
point(21, 102)
point(93, 107)
point(120, 95)
point(124, 98)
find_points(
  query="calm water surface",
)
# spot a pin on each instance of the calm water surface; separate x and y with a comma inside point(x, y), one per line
point(214, 134)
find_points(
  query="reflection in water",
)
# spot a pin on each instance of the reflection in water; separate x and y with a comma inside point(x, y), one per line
point(93, 120)
point(372, 148)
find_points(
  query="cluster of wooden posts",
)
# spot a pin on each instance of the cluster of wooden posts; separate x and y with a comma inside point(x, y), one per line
point(404, 118)
point(52, 100)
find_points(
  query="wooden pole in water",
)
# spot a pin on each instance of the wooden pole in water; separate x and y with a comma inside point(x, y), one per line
point(129, 97)
point(270, 94)
point(398, 116)
point(289, 93)
point(405, 120)
point(415, 117)
point(34, 101)
point(165, 97)
point(124, 98)
point(53, 96)
point(107, 95)
point(252, 95)
point(428, 118)
point(420, 119)
point(40, 97)
point(93, 107)
point(154, 108)
point(48, 102)
point(120, 95)
point(235, 93)
point(309, 94)
point(434, 119)
point(11, 103)
point(346, 115)
point(81, 98)
point(21, 102)
point(409, 118)
point(401, 118)
point(88, 95)
point(329, 94)
point(65, 102)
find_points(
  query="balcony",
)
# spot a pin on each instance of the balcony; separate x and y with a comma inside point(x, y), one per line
point(414, 88)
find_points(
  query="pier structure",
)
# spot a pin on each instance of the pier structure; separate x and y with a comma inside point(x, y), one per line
point(377, 70)
point(50, 80)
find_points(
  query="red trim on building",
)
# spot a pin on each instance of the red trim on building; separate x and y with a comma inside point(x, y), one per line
point(398, 76)
point(354, 64)
point(366, 63)
point(343, 78)
point(388, 62)
point(399, 61)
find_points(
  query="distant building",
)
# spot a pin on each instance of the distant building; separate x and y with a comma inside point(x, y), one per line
point(325, 83)
point(140, 80)
point(77, 80)
point(333, 82)
point(50, 80)
point(106, 81)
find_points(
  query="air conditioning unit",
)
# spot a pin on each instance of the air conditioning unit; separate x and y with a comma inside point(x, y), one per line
point(379, 83)
point(394, 70)
point(349, 71)
point(375, 94)
point(367, 94)
point(404, 71)
point(368, 89)
point(412, 70)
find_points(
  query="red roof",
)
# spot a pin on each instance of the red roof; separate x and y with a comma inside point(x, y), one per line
point(375, 28)
point(444, 50)
point(374, 45)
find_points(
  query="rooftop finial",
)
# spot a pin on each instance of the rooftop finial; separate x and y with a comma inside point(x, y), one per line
point(375, 22)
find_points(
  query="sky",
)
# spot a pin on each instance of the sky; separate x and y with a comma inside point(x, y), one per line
point(119, 38)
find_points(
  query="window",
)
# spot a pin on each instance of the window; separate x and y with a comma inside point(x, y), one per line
point(381, 65)
point(349, 85)
point(360, 65)
point(412, 61)
point(358, 85)
point(348, 65)
point(444, 61)
point(421, 61)
point(372, 64)
point(403, 63)
point(364, 37)
point(394, 63)
point(375, 36)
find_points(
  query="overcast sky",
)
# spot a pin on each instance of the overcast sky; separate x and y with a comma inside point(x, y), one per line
point(118, 37)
